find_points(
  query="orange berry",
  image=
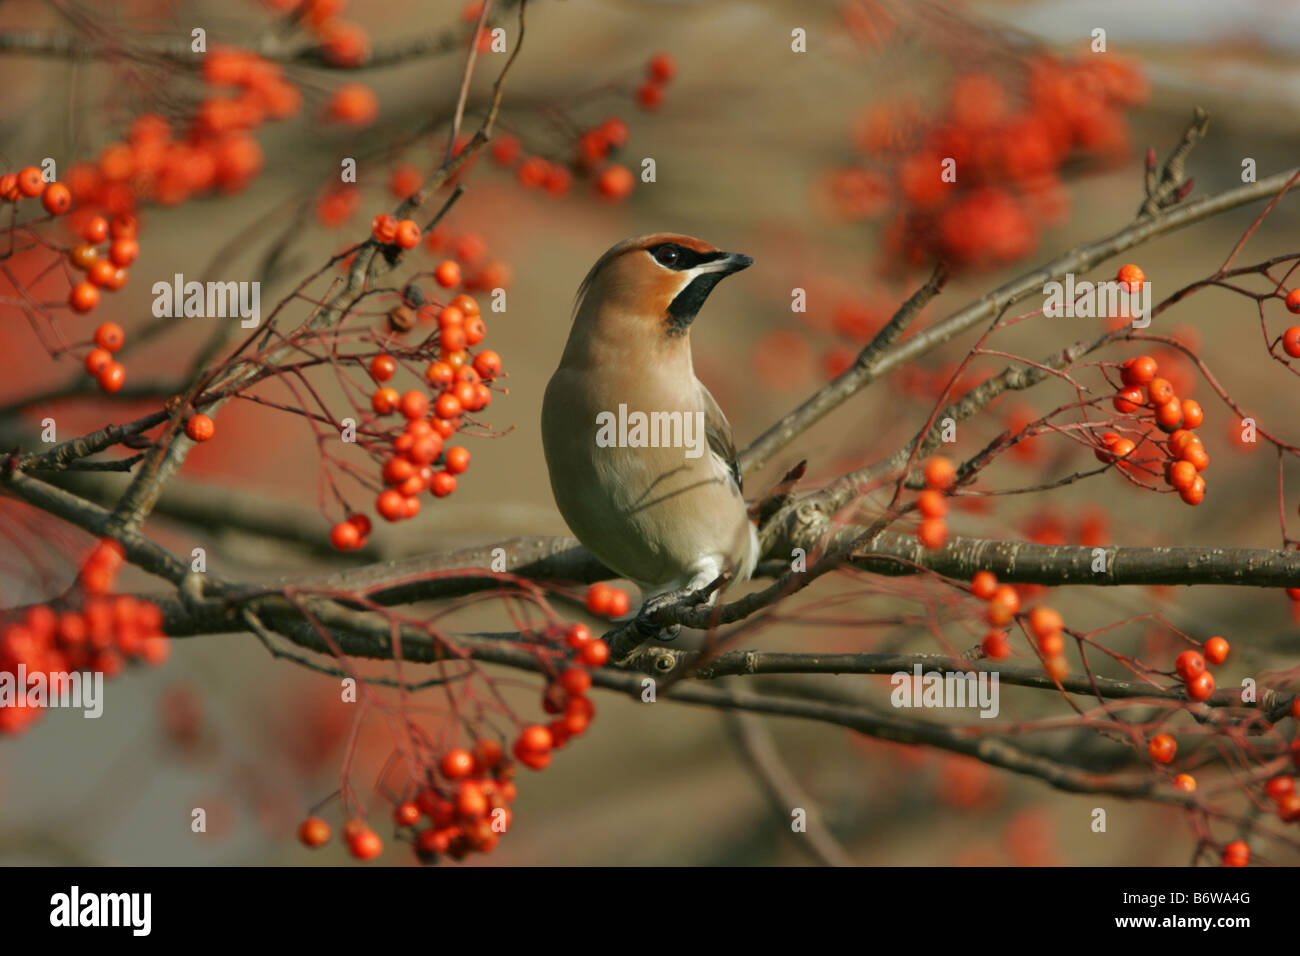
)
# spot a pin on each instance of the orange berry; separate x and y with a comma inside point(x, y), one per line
point(30, 181)
point(1201, 687)
point(995, 645)
point(97, 359)
point(932, 504)
point(1216, 650)
point(384, 401)
point(111, 377)
point(354, 104)
point(1044, 621)
point(124, 251)
point(1185, 782)
point(933, 533)
point(615, 182)
point(661, 68)
point(456, 763)
point(109, 336)
point(1291, 341)
point(1138, 371)
point(200, 427)
point(457, 460)
point(650, 95)
point(1131, 277)
point(57, 199)
point(383, 368)
point(95, 229)
point(1192, 414)
point(983, 585)
point(447, 274)
point(1293, 300)
point(345, 536)
point(313, 832)
point(1160, 391)
point(408, 234)
point(1162, 748)
point(939, 473)
point(1189, 664)
point(83, 297)
point(1236, 853)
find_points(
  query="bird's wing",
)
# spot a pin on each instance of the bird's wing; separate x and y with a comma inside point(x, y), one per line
point(718, 432)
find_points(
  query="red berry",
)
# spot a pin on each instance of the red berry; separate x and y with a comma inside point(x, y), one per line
point(661, 68)
point(1293, 300)
point(1162, 748)
point(1216, 650)
point(457, 460)
point(447, 273)
point(594, 654)
point(444, 483)
point(313, 832)
point(1236, 853)
point(983, 585)
point(1201, 687)
point(1138, 371)
point(112, 377)
point(365, 844)
point(123, 252)
point(578, 636)
point(456, 763)
point(383, 368)
point(1291, 341)
point(83, 297)
point(30, 181)
point(385, 400)
point(97, 359)
point(56, 199)
point(1130, 277)
point(109, 336)
point(200, 427)
point(1189, 664)
point(391, 505)
point(488, 364)
point(345, 536)
point(95, 229)
point(939, 473)
point(414, 404)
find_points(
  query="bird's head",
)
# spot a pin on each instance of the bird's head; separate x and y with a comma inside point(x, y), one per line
point(655, 284)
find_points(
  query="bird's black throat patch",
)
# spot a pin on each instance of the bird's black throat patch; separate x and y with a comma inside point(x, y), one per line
point(683, 309)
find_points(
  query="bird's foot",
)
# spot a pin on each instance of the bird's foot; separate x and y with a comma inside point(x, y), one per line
point(682, 597)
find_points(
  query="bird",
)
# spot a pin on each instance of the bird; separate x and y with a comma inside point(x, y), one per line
point(642, 462)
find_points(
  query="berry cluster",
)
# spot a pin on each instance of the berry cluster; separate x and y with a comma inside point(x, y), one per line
point(1152, 399)
point(416, 458)
point(216, 152)
point(940, 474)
point(1009, 139)
point(464, 806)
point(592, 152)
point(101, 634)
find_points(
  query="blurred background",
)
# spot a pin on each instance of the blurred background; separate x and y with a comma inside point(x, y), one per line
point(796, 159)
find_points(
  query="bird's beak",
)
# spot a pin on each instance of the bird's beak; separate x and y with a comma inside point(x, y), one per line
point(727, 263)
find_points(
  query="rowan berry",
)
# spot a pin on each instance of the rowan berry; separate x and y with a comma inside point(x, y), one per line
point(30, 181)
point(1189, 664)
point(1236, 853)
point(447, 273)
point(1138, 371)
point(385, 401)
point(1130, 277)
point(83, 297)
point(444, 483)
point(1193, 416)
point(939, 473)
point(932, 503)
point(457, 460)
point(615, 182)
point(345, 536)
point(1160, 391)
point(391, 505)
point(1291, 341)
point(983, 585)
point(95, 229)
point(111, 377)
point(200, 427)
point(1216, 650)
point(109, 336)
point(577, 636)
point(995, 645)
point(123, 252)
point(56, 199)
point(1201, 687)
point(313, 832)
point(383, 367)
point(97, 359)
point(1293, 300)
point(1163, 748)
point(456, 763)
point(365, 844)
point(83, 257)
point(406, 814)
point(488, 364)
point(1185, 782)
point(408, 234)
point(933, 533)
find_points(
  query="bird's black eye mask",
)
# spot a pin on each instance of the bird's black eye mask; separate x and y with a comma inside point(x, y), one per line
point(683, 309)
point(679, 258)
